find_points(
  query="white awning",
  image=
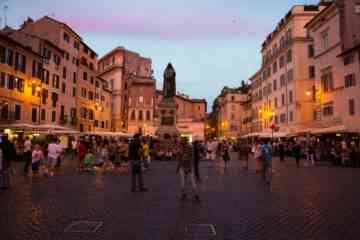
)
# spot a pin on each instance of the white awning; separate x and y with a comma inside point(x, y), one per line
point(257, 134)
point(333, 129)
point(20, 126)
point(66, 132)
point(50, 127)
point(280, 134)
point(108, 134)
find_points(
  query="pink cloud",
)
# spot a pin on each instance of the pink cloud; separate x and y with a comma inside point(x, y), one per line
point(162, 24)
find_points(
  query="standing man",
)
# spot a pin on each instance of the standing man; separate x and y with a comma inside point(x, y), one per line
point(60, 150)
point(197, 157)
point(135, 151)
point(184, 168)
point(53, 155)
point(266, 161)
point(8, 155)
point(281, 151)
point(27, 155)
point(297, 153)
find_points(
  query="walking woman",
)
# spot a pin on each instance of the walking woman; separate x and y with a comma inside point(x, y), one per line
point(225, 153)
point(297, 153)
point(36, 157)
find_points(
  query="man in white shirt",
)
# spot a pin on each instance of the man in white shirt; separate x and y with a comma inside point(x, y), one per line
point(27, 155)
point(53, 155)
point(213, 147)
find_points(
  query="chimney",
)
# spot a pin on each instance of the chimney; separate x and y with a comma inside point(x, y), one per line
point(326, 2)
point(28, 21)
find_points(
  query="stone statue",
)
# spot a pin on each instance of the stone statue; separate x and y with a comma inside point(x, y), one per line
point(169, 87)
point(167, 107)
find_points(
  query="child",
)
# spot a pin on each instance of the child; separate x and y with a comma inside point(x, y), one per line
point(37, 156)
point(146, 155)
point(89, 160)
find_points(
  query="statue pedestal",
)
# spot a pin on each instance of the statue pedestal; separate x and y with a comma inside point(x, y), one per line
point(167, 112)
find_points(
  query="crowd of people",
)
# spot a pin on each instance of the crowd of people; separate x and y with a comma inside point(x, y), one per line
point(344, 153)
point(94, 153)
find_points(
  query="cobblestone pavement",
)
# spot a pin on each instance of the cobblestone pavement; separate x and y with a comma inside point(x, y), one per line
point(306, 203)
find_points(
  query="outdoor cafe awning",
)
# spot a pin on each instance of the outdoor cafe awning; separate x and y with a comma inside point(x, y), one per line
point(49, 127)
point(42, 128)
point(332, 129)
point(18, 126)
point(65, 132)
point(108, 134)
point(257, 134)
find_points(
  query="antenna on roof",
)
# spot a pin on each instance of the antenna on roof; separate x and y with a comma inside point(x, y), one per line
point(53, 15)
point(6, 8)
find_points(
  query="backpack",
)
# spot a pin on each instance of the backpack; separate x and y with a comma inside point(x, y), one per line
point(266, 153)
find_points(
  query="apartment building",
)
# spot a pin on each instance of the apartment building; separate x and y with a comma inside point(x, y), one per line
point(88, 91)
point(336, 66)
point(53, 87)
point(102, 108)
point(247, 126)
point(69, 92)
point(20, 83)
point(62, 69)
point(280, 89)
point(132, 84)
point(229, 111)
point(141, 106)
point(71, 88)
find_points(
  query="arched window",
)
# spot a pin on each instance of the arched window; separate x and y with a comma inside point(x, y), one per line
point(148, 116)
point(132, 115)
point(140, 115)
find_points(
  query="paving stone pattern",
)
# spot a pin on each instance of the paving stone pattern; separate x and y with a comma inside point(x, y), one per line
point(307, 203)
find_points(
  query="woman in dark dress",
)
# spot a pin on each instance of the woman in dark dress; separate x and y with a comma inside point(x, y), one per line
point(225, 153)
point(281, 152)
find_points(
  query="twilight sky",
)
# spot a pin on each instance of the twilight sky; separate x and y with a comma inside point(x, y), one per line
point(211, 43)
